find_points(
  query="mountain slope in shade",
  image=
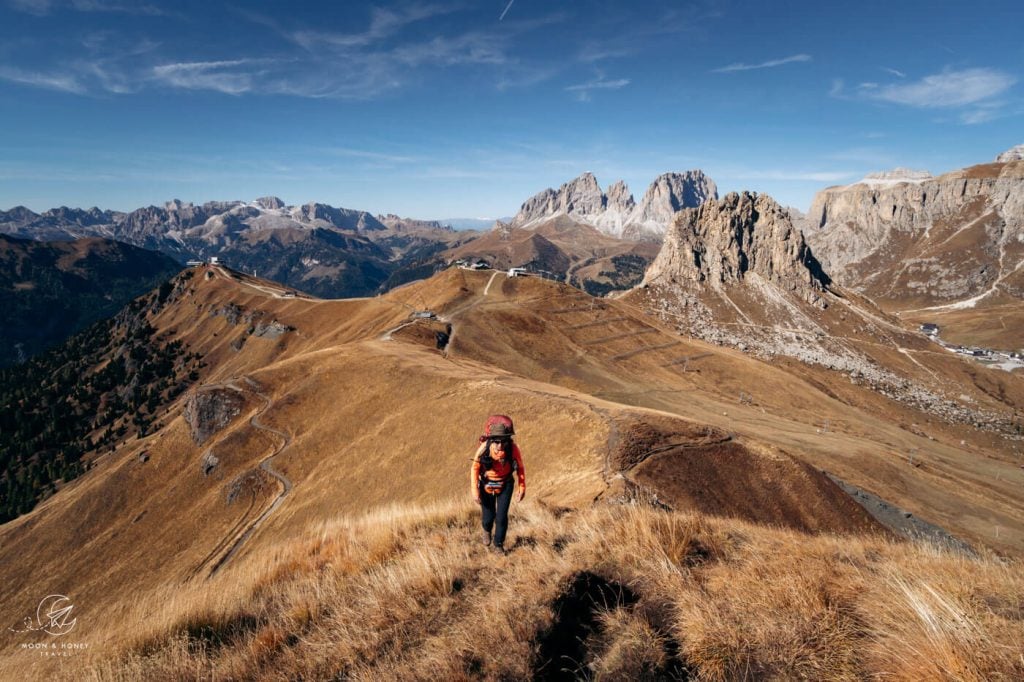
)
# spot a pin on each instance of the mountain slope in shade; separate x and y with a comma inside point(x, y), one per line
point(948, 246)
point(50, 290)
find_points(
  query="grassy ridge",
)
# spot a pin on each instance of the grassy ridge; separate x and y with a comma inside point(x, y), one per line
point(610, 592)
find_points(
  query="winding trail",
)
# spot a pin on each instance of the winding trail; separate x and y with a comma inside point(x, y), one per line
point(286, 484)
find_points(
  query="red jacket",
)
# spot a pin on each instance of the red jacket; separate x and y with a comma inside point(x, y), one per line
point(500, 468)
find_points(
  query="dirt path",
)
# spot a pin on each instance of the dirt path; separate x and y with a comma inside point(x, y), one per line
point(488, 287)
point(286, 484)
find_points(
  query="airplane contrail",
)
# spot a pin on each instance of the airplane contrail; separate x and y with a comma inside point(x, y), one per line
point(507, 8)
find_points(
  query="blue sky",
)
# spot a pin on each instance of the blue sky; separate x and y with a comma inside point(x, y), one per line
point(465, 109)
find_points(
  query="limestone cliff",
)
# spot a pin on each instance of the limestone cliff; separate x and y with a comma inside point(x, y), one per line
point(924, 240)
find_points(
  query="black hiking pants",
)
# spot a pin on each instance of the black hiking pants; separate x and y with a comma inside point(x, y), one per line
point(494, 511)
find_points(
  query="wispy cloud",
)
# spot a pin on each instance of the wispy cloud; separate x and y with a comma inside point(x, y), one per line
point(386, 55)
point(384, 23)
point(519, 76)
point(599, 52)
point(989, 111)
point(221, 76)
point(44, 7)
point(895, 72)
point(763, 65)
point(62, 82)
point(947, 89)
point(469, 48)
point(371, 156)
point(36, 7)
point(978, 116)
point(583, 90)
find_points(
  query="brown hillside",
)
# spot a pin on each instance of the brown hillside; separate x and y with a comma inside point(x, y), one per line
point(580, 254)
point(347, 406)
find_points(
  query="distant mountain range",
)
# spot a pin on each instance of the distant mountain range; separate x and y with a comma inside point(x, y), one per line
point(326, 251)
point(338, 252)
point(906, 239)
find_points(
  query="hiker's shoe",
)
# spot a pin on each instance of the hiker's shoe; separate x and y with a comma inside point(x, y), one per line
point(487, 539)
point(498, 549)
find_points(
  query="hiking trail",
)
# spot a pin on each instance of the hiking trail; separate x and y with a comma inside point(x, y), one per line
point(286, 484)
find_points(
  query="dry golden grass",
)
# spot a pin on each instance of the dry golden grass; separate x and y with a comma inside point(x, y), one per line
point(408, 593)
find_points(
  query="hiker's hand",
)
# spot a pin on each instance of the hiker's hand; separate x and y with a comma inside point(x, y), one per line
point(476, 497)
point(522, 492)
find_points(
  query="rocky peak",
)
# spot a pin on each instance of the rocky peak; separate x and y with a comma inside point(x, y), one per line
point(581, 196)
point(1015, 154)
point(269, 203)
point(76, 216)
point(672, 192)
point(619, 198)
point(721, 242)
point(18, 214)
point(219, 206)
point(341, 218)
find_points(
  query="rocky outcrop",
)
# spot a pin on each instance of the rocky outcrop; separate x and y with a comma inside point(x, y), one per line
point(210, 410)
point(722, 241)
point(928, 239)
point(1014, 154)
point(615, 212)
point(208, 462)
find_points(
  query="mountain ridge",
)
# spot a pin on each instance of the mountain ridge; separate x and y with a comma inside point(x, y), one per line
point(615, 212)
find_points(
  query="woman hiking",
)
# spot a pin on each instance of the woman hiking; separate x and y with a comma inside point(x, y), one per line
point(495, 463)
